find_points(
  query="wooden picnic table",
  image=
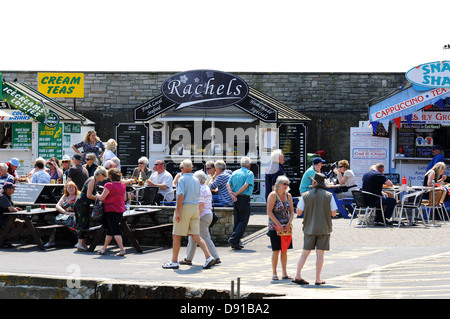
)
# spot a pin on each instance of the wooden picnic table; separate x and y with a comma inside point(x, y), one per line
point(129, 223)
point(32, 228)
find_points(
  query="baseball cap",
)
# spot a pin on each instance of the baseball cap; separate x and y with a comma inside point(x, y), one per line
point(8, 185)
point(77, 157)
point(318, 160)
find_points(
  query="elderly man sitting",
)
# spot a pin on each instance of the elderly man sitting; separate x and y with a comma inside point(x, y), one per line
point(373, 183)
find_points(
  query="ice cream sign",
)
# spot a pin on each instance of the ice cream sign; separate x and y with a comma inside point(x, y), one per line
point(431, 75)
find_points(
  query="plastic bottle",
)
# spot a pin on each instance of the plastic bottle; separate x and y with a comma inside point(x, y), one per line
point(404, 181)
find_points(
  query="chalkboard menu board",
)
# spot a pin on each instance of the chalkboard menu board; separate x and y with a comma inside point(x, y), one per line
point(407, 140)
point(292, 141)
point(132, 144)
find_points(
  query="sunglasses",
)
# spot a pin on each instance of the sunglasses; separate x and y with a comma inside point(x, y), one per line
point(156, 164)
point(286, 184)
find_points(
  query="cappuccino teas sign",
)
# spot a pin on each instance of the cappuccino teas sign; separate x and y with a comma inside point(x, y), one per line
point(204, 89)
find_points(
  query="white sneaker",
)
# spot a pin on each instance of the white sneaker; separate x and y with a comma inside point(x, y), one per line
point(171, 265)
point(209, 262)
point(48, 245)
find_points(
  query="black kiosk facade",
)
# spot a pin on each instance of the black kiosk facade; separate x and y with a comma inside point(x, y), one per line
point(208, 115)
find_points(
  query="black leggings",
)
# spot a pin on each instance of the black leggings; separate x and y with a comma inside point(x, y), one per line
point(112, 221)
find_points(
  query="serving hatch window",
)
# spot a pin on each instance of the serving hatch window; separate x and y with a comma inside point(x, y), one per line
point(213, 138)
point(418, 140)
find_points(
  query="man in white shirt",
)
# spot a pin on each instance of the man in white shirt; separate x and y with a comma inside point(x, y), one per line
point(163, 180)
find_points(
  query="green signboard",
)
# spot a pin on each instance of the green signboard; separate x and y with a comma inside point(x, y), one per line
point(50, 141)
point(29, 106)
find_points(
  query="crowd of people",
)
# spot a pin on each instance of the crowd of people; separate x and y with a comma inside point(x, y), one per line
point(87, 181)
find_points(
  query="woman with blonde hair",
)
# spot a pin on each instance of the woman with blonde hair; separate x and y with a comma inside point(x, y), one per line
point(435, 175)
point(111, 146)
point(90, 144)
point(280, 210)
point(346, 179)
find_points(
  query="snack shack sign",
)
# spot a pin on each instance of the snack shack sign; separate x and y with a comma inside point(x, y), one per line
point(430, 75)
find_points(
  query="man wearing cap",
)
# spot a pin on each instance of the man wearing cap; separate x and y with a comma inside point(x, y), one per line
point(437, 156)
point(4, 175)
point(317, 207)
point(7, 205)
point(66, 161)
point(13, 164)
point(77, 173)
point(310, 172)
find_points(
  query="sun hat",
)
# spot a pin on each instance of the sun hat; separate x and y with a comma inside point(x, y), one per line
point(14, 161)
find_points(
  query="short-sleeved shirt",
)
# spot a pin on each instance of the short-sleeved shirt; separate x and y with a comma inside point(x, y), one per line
point(163, 178)
point(221, 184)
point(306, 181)
point(372, 182)
point(239, 178)
point(7, 178)
point(97, 149)
point(205, 197)
point(317, 205)
point(5, 202)
point(189, 186)
point(41, 176)
point(115, 201)
point(78, 174)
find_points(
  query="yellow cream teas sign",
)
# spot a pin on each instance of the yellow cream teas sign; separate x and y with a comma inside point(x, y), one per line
point(61, 84)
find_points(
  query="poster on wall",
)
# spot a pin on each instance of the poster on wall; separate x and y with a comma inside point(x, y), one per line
point(367, 150)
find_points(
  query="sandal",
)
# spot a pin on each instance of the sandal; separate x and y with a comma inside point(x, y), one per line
point(300, 281)
point(275, 277)
point(185, 262)
point(287, 277)
point(121, 253)
point(101, 252)
point(322, 282)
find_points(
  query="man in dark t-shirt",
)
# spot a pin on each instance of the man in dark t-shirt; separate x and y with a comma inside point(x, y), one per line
point(77, 172)
point(373, 183)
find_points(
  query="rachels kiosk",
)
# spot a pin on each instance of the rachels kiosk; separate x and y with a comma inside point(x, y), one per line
point(415, 118)
point(210, 115)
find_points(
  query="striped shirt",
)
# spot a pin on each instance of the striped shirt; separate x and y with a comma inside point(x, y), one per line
point(221, 183)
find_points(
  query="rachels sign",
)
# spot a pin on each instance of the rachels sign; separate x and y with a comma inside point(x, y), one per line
point(204, 89)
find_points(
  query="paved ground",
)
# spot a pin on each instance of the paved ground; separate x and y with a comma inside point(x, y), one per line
point(372, 262)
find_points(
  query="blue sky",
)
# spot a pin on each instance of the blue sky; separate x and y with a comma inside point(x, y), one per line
point(244, 35)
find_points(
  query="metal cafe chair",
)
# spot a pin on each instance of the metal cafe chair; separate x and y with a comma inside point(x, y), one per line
point(360, 206)
point(411, 201)
point(148, 196)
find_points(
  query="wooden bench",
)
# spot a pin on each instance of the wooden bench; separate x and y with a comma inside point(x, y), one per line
point(152, 227)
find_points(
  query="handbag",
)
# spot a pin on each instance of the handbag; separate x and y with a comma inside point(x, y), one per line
point(284, 232)
point(97, 210)
point(214, 219)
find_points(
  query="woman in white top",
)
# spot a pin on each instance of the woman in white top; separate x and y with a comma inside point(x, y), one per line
point(111, 146)
point(346, 178)
point(205, 213)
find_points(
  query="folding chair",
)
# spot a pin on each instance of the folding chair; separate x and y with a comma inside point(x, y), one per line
point(411, 201)
point(360, 205)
